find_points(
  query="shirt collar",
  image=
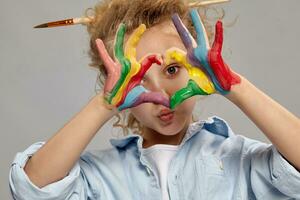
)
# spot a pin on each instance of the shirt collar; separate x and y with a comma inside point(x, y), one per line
point(214, 124)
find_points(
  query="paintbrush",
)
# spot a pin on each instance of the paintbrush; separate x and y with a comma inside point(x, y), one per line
point(66, 22)
point(86, 20)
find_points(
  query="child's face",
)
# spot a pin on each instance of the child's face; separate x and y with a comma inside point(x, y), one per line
point(166, 79)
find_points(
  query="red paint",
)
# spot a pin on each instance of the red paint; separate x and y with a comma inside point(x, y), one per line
point(223, 73)
point(136, 79)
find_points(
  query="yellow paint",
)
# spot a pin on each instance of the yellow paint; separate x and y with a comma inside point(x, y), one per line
point(130, 54)
point(195, 73)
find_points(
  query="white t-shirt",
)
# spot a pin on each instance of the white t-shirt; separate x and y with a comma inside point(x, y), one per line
point(159, 156)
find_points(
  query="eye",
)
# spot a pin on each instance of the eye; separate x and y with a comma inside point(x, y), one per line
point(172, 69)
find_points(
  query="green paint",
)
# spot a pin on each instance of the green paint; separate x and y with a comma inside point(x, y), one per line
point(125, 63)
point(190, 90)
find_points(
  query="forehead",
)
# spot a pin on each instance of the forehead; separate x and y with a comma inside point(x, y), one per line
point(158, 39)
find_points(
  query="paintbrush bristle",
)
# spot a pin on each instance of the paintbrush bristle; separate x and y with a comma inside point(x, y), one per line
point(41, 26)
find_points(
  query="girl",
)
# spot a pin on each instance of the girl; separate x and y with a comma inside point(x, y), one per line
point(168, 155)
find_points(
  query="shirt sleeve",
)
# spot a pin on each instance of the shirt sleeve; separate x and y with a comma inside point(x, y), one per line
point(271, 174)
point(73, 186)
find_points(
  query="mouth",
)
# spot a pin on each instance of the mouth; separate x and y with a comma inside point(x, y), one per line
point(166, 115)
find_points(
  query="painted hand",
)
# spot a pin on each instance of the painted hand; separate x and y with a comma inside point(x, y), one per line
point(122, 87)
point(204, 57)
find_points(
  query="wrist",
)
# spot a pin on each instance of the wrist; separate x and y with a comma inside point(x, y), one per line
point(237, 90)
point(102, 106)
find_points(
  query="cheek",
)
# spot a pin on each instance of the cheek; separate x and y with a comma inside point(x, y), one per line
point(142, 112)
point(187, 106)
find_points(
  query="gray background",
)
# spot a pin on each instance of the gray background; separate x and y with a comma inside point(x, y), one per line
point(45, 79)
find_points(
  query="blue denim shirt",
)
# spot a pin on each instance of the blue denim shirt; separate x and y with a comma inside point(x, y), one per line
point(211, 163)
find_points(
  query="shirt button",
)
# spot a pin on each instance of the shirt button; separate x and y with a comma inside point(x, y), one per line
point(148, 170)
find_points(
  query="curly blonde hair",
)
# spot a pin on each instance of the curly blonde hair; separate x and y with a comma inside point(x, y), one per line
point(108, 14)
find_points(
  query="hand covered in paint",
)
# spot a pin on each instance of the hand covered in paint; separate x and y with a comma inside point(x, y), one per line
point(202, 56)
point(122, 87)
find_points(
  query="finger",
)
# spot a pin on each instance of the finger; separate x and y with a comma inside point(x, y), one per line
point(105, 57)
point(182, 31)
point(203, 48)
point(146, 63)
point(181, 95)
point(195, 73)
point(218, 42)
point(131, 97)
point(112, 69)
point(139, 95)
point(202, 39)
point(125, 64)
point(130, 48)
point(125, 69)
point(152, 97)
point(119, 42)
point(130, 54)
